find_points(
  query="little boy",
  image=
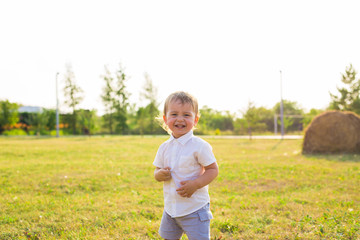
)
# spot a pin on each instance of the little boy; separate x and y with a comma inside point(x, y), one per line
point(186, 165)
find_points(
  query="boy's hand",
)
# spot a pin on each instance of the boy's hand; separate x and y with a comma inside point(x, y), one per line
point(187, 188)
point(162, 174)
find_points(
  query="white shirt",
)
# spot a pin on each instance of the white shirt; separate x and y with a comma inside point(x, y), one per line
point(186, 156)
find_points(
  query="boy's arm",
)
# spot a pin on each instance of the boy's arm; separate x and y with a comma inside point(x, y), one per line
point(162, 174)
point(189, 187)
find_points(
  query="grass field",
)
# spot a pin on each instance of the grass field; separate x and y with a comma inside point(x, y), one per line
point(103, 188)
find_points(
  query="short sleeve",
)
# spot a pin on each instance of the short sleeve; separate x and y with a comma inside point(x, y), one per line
point(159, 158)
point(206, 156)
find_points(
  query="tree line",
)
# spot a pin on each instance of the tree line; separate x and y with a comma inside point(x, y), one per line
point(122, 117)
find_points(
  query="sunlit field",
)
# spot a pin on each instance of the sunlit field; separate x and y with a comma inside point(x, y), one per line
point(103, 188)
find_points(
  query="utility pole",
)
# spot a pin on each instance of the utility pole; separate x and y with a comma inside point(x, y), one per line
point(57, 106)
point(275, 124)
point(281, 108)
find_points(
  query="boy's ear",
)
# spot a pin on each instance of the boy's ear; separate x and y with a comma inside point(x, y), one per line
point(197, 119)
point(164, 117)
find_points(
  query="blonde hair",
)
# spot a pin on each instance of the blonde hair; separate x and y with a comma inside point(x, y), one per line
point(183, 97)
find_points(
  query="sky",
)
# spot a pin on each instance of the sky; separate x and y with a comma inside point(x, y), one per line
point(226, 53)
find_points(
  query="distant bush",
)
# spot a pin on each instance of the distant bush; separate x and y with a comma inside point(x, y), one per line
point(14, 132)
point(53, 133)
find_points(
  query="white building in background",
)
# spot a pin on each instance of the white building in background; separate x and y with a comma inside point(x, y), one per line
point(30, 109)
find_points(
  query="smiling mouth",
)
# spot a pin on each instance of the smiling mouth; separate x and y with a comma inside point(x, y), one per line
point(180, 126)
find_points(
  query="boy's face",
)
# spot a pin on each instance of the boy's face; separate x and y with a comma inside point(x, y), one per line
point(180, 118)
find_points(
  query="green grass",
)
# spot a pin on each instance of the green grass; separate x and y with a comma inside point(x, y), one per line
point(103, 188)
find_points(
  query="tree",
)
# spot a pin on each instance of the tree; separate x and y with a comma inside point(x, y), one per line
point(308, 117)
point(140, 120)
point(107, 99)
point(240, 126)
point(87, 121)
point(121, 103)
point(265, 119)
point(251, 118)
point(8, 115)
point(151, 111)
point(39, 122)
point(51, 119)
point(293, 115)
point(115, 98)
point(204, 124)
point(25, 118)
point(211, 120)
point(73, 94)
point(349, 99)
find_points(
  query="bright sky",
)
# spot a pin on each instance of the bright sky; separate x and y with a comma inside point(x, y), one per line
point(226, 53)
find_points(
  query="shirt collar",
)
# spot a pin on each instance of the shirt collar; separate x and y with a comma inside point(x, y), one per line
point(183, 139)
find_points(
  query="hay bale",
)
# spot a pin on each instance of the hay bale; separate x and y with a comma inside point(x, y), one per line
point(333, 132)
